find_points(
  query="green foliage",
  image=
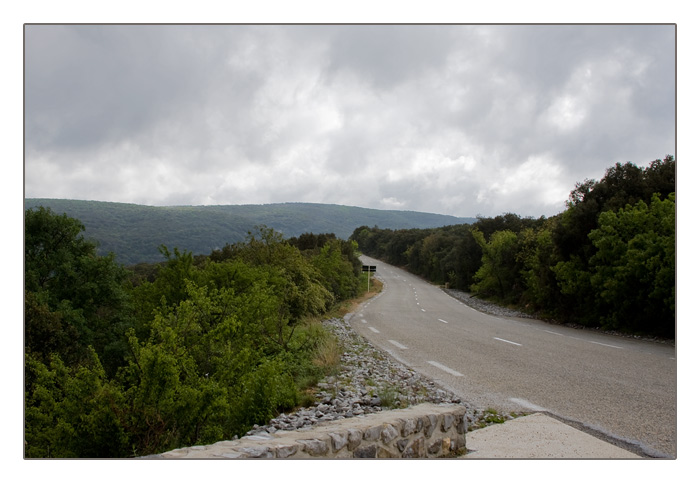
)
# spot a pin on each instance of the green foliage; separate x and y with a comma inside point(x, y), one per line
point(538, 257)
point(633, 269)
point(73, 298)
point(69, 411)
point(498, 273)
point(193, 351)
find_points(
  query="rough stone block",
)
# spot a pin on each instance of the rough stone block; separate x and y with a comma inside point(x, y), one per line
point(458, 444)
point(434, 447)
point(447, 421)
point(389, 433)
point(446, 445)
point(314, 447)
point(257, 452)
point(416, 449)
point(287, 451)
point(459, 424)
point(408, 428)
point(338, 441)
point(365, 452)
point(372, 434)
point(401, 445)
point(354, 438)
point(430, 422)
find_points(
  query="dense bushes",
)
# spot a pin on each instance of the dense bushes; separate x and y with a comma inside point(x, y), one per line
point(189, 351)
point(607, 261)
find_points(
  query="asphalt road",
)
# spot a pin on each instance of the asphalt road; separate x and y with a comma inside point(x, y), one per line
point(622, 388)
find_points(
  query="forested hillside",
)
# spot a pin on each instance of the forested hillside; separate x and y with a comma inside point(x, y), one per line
point(134, 232)
point(190, 351)
point(607, 261)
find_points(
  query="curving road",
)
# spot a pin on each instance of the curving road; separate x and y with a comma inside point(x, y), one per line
point(622, 388)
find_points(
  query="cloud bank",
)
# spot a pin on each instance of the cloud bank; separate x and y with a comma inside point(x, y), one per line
point(453, 119)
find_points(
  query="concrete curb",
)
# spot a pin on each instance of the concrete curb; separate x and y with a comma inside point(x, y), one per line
point(538, 436)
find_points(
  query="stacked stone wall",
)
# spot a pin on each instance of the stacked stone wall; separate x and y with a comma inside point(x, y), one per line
point(422, 431)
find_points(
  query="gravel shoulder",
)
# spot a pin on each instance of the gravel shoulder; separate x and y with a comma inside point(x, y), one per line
point(499, 311)
point(370, 380)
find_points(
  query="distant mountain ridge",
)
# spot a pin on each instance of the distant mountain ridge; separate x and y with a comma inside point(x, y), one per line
point(134, 232)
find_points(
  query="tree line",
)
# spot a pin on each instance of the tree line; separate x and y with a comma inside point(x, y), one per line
point(608, 260)
point(124, 362)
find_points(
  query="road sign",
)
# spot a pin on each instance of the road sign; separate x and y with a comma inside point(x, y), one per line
point(369, 269)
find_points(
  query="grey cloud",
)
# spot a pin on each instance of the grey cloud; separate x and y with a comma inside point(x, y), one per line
point(343, 114)
point(389, 54)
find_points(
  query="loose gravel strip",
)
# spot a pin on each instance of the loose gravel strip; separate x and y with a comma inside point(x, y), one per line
point(484, 306)
point(369, 380)
point(495, 309)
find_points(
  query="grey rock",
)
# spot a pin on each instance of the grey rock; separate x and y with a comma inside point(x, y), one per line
point(354, 438)
point(389, 433)
point(338, 441)
point(430, 423)
point(365, 452)
point(401, 445)
point(257, 452)
point(314, 447)
point(409, 427)
point(415, 449)
point(447, 420)
point(372, 434)
point(286, 451)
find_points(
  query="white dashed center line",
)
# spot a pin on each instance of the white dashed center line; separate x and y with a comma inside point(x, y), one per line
point(400, 346)
point(374, 330)
point(606, 345)
point(445, 368)
point(509, 341)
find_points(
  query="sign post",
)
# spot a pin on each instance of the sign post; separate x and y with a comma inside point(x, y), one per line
point(369, 269)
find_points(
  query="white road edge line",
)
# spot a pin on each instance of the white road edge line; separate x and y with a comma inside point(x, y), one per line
point(606, 345)
point(509, 341)
point(445, 368)
point(400, 346)
point(555, 333)
point(527, 404)
point(374, 330)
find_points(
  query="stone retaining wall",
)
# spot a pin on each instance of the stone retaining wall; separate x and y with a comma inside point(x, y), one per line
point(422, 431)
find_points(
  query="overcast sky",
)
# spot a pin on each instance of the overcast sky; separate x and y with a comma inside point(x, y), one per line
point(463, 120)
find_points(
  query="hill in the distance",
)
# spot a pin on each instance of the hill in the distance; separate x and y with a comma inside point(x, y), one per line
point(134, 232)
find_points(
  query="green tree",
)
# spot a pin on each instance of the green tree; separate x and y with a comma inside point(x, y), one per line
point(73, 298)
point(337, 272)
point(633, 270)
point(499, 272)
point(538, 257)
point(69, 411)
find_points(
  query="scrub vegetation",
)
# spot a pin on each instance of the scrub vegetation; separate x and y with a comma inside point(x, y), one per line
point(193, 350)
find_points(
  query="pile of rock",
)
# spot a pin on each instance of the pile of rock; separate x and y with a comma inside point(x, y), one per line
point(368, 381)
point(484, 306)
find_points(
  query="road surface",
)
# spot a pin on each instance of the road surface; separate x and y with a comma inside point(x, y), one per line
point(622, 388)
